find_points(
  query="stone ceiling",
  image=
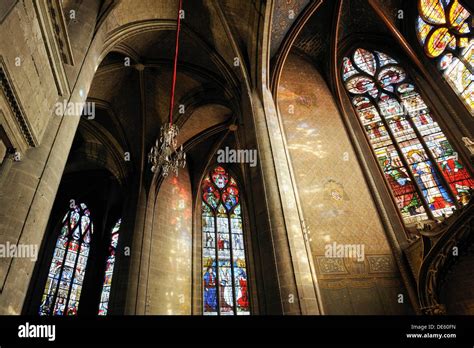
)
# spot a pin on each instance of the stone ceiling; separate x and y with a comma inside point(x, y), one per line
point(357, 18)
point(206, 57)
point(285, 13)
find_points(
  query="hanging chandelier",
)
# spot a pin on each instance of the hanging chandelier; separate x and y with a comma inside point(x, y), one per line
point(165, 155)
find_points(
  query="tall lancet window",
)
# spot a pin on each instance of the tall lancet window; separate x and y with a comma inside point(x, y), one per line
point(109, 269)
point(445, 29)
point(423, 170)
point(66, 273)
point(225, 289)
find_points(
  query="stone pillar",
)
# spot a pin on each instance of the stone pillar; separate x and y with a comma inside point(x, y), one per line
point(135, 302)
point(296, 278)
point(27, 197)
point(28, 192)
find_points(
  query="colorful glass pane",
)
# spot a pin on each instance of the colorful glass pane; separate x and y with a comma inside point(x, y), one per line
point(210, 193)
point(367, 111)
point(365, 60)
point(402, 186)
point(225, 290)
point(451, 167)
point(412, 150)
point(391, 75)
point(66, 273)
point(360, 85)
point(210, 286)
point(450, 42)
point(405, 88)
point(384, 59)
point(432, 11)
point(463, 42)
point(464, 29)
point(412, 101)
point(468, 95)
point(446, 61)
point(423, 29)
point(109, 269)
point(220, 177)
point(437, 42)
point(457, 14)
point(468, 53)
point(348, 69)
point(429, 182)
point(74, 219)
point(459, 76)
point(390, 107)
point(230, 196)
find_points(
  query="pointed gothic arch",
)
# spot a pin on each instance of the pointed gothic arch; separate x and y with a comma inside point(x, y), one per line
point(224, 260)
point(424, 173)
point(66, 274)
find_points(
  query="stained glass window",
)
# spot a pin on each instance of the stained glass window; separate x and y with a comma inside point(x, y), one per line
point(445, 30)
point(225, 290)
point(426, 176)
point(66, 272)
point(109, 269)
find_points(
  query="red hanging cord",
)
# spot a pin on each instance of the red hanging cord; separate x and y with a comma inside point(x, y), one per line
point(175, 61)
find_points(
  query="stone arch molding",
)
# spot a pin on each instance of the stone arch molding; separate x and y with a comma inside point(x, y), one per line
point(117, 36)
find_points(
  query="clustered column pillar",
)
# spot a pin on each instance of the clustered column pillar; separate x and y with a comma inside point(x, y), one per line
point(293, 263)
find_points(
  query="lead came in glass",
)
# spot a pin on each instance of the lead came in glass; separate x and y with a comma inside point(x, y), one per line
point(418, 161)
point(445, 31)
point(225, 290)
point(109, 269)
point(66, 273)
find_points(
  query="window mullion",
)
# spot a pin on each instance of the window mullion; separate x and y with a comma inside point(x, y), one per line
point(234, 299)
point(78, 253)
point(404, 161)
point(435, 164)
point(66, 250)
point(218, 293)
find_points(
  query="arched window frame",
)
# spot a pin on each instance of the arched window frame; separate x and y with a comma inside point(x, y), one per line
point(66, 235)
point(201, 202)
point(455, 49)
point(109, 268)
point(432, 111)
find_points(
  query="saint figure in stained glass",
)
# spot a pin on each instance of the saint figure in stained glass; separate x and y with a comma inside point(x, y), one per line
point(109, 269)
point(427, 178)
point(225, 290)
point(67, 269)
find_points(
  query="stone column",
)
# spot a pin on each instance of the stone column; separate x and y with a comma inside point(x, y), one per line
point(29, 190)
point(27, 197)
point(136, 289)
point(296, 278)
